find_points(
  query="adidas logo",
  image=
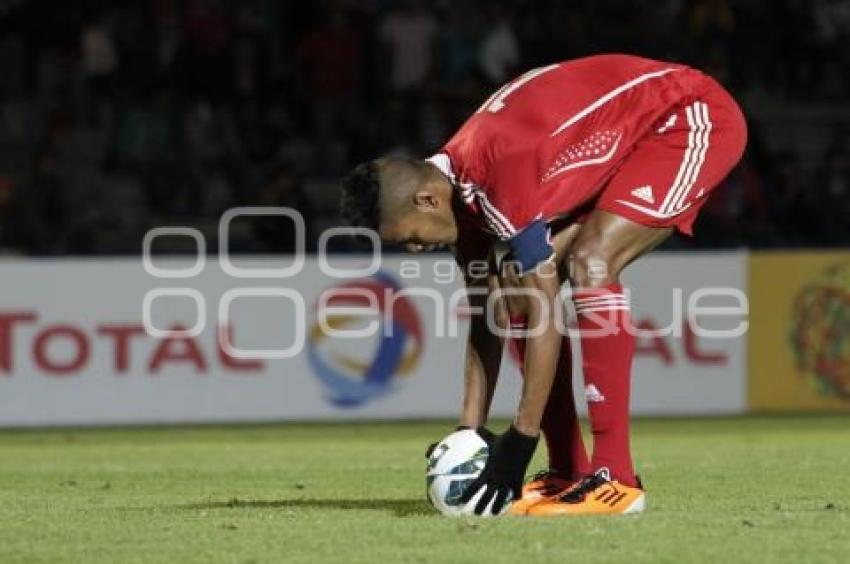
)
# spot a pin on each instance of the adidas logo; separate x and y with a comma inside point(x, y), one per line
point(644, 193)
point(592, 394)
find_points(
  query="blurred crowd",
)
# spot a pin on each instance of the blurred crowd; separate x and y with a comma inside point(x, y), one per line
point(117, 116)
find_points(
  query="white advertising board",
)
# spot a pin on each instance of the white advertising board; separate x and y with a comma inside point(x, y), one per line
point(74, 349)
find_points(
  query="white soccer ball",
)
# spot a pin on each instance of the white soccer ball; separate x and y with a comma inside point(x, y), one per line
point(454, 464)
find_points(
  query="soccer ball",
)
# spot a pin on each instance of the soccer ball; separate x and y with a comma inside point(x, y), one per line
point(454, 464)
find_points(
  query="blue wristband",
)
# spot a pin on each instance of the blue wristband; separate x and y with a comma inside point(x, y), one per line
point(531, 246)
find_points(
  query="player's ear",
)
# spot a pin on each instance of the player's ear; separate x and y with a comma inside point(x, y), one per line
point(425, 201)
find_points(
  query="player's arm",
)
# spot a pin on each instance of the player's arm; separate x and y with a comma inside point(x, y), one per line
point(533, 258)
point(483, 354)
point(483, 358)
point(542, 348)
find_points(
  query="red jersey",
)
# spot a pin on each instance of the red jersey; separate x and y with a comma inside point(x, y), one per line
point(545, 143)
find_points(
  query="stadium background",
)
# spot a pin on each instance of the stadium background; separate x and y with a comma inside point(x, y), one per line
point(117, 117)
point(120, 117)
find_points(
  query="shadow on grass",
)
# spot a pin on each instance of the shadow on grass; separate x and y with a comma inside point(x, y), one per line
point(399, 507)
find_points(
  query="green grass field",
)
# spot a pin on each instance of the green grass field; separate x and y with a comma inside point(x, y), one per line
point(724, 490)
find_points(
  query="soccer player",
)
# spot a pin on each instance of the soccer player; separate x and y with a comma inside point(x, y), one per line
point(575, 169)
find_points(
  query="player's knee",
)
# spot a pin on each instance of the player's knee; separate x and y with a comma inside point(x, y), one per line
point(501, 316)
point(593, 264)
point(514, 304)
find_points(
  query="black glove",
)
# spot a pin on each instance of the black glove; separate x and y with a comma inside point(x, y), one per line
point(486, 434)
point(502, 477)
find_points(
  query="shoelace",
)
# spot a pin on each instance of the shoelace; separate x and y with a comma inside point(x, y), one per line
point(541, 475)
point(546, 474)
point(587, 485)
point(546, 488)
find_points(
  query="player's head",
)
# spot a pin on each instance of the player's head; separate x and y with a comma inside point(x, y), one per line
point(407, 201)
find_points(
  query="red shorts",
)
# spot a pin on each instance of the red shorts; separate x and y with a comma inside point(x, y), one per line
point(666, 179)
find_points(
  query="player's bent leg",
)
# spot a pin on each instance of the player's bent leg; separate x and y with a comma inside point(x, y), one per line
point(605, 244)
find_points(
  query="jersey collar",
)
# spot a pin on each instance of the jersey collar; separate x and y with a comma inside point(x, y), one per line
point(442, 162)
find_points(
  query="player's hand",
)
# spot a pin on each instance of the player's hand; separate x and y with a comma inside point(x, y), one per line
point(501, 480)
point(486, 434)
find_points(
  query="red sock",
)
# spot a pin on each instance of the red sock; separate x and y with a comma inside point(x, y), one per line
point(560, 424)
point(607, 349)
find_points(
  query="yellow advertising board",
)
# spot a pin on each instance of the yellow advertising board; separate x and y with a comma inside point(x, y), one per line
point(799, 337)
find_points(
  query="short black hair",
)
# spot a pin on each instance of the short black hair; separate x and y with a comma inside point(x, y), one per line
point(359, 204)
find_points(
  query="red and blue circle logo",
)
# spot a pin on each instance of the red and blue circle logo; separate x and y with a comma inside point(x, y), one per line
point(355, 371)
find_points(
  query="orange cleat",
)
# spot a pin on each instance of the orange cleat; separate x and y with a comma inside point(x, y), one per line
point(596, 494)
point(545, 485)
